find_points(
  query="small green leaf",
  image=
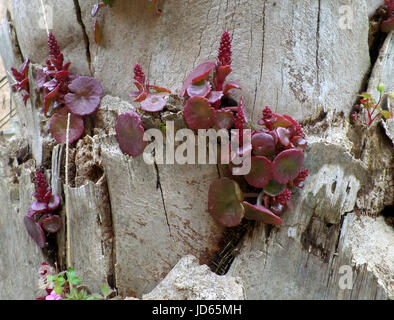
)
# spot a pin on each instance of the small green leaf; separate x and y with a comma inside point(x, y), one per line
point(163, 127)
point(386, 114)
point(72, 278)
point(106, 290)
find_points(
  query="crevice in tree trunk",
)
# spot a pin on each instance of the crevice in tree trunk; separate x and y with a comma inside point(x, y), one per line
point(158, 185)
point(85, 36)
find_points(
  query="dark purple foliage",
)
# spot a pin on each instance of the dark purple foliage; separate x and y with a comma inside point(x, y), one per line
point(58, 127)
point(130, 133)
point(41, 212)
point(198, 85)
point(149, 101)
point(66, 92)
point(85, 96)
point(198, 113)
point(224, 202)
point(22, 80)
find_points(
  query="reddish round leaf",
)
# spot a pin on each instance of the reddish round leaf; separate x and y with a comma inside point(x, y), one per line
point(260, 213)
point(224, 202)
point(224, 119)
point(51, 223)
point(85, 97)
point(231, 85)
point(215, 96)
point(130, 134)
point(38, 206)
point(35, 231)
point(263, 144)
point(287, 165)
point(260, 173)
point(198, 113)
point(273, 188)
point(200, 73)
point(200, 89)
point(153, 103)
point(54, 202)
point(58, 127)
point(283, 135)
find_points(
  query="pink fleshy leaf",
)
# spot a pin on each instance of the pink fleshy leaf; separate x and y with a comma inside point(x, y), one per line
point(231, 85)
point(153, 103)
point(260, 173)
point(54, 202)
point(51, 223)
point(35, 231)
point(220, 76)
point(130, 133)
point(283, 135)
point(224, 202)
point(85, 97)
point(260, 213)
point(141, 97)
point(49, 98)
point(198, 74)
point(215, 96)
point(38, 206)
point(41, 78)
point(198, 113)
point(263, 144)
point(58, 127)
point(224, 119)
point(159, 89)
point(287, 165)
point(200, 89)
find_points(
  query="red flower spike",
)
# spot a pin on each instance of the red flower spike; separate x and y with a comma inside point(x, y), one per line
point(139, 75)
point(283, 197)
point(41, 187)
point(240, 118)
point(224, 52)
point(299, 180)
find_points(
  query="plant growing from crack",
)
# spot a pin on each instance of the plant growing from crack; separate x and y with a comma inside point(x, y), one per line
point(64, 93)
point(41, 215)
point(276, 150)
point(129, 129)
point(22, 79)
point(209, 103)
point(277, 158)
point(66, 285)
point(369, 110)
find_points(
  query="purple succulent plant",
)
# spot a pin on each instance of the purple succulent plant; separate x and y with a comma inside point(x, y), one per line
point(41, 213)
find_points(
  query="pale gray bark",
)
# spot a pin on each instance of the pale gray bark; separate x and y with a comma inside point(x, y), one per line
point(131, 222)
